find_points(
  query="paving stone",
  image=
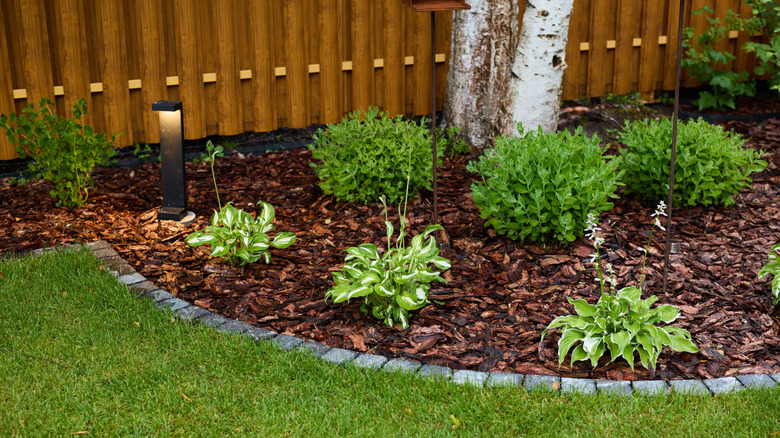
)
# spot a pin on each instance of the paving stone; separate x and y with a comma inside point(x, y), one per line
point(689, 387)
point(339, 355)
point(582, 386)
point(191, 313)
point(372, 361)
point(401, 365)
point(214, 319)
point(118, 265)
point(234, 327)
point(158, 295)
point(468, 377)
point(613, 387)
point(98, 244)
point(287, 342)
point(504, 379)
point(144, 286)
point(434, 372)
point(173, 304)
point(316, 348)
point(776, 377)
point(756, 381)
point(260, 334)
point(131, 278)
point(542, 382)
point(650, 387)
point(723, 385)
point(105, 253)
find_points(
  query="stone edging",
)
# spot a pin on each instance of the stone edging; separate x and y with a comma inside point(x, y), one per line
point(138, 284)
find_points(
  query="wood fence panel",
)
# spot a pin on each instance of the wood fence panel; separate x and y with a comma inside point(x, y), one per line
point(36, 57)
point(116, 95)
point(670, 48)
point(598, 58)
point(228, 80)
point(330, 62)
point(6, 92)
point(263, 78)
point(393, 57)
point(421, 69)
point(575, 76)
point(625, 74)
point(297, 64)
point(362, 56)
point(153, 72)
point(74, 58)
point(650, 52)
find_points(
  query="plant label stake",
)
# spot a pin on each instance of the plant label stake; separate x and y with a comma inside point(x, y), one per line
point(174, 190)
point(432, 6)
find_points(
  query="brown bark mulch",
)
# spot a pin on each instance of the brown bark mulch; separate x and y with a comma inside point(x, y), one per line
point(500, 294)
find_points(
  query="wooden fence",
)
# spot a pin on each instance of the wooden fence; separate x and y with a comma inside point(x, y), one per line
point(258, 65)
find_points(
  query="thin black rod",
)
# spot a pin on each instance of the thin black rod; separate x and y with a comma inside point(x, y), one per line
point(433, 117)
point(674, 144)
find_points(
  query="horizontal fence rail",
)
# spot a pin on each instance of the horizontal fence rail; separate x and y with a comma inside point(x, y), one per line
point(259, 65)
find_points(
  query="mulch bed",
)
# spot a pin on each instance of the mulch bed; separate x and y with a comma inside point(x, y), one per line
point(500, 294)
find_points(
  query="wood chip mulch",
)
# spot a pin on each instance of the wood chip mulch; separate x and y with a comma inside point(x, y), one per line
point(500, 294)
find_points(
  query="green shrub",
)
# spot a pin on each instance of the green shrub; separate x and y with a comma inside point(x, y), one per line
point(543, 186)
point(63, 151)
point(712, 165)
point(362, 160)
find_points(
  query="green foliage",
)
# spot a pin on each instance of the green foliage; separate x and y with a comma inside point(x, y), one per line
point(773, 268)
point(766, 20)
point(63, 151)
point(711, 164)
point(361, 160)
point(543, 186)
point(622, 323)
point(393, 283)
point(712, 66)
point(234, 234)
point(450, 141)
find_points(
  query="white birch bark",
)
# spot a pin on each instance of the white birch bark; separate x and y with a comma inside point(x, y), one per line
point(534, 93)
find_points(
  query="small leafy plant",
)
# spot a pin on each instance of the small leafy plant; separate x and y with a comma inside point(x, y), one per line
point(234, 234)
point(773, 268)
point(711, 66)
point(539, 186)
point(393, 283)
point(711, 164)
point(63, 151)
point(365, 156)
point(451, 142)
point(766, 20)
point(622, 323)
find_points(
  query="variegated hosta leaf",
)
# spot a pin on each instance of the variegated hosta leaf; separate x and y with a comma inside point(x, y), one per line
point(582, 307)
point(668, 313)
point(679, 339)
point(284, 240)
point(199, 238)
point(441, 263)
point(568, 339)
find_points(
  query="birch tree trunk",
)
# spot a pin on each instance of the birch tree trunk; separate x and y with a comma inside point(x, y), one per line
point(498, 77)
point(534, 95)
point(481, 54)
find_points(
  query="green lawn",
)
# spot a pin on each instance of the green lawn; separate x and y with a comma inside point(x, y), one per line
point(80, 354)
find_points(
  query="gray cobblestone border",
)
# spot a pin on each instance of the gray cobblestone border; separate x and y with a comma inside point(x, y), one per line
point(138, 284)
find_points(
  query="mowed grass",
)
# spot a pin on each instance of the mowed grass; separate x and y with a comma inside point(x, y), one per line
point(81, 356)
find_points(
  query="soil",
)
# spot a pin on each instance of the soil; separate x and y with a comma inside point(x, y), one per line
point(500, 293)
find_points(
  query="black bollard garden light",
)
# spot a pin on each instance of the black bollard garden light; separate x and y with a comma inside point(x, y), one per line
point(174, 189)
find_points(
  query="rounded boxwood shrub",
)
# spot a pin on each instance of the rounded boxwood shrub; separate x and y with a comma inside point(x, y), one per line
point(364, 159)
point(542, 186)
point(711, 164)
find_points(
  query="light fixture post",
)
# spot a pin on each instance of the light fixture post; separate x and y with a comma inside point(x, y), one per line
point(174, 189)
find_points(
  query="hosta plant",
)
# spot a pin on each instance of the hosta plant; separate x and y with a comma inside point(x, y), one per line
point(393, 283)
point(234, 234)
point(773, 268)
point(620, 322)
point(540, 187)
point(711, 167)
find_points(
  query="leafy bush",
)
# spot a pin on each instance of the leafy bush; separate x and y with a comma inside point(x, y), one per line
point(766, 20)
point(234, 234)
point(392, 283)
point(543, 185)
point(64, 151)
point(362, 160)
point(711, 164)
point(773, 268)
point(451, 142)
point(622, 323)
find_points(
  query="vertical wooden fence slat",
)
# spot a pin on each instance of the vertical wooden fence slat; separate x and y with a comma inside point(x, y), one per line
point(152, 48)
point(330, 61)
point(228, 98)
point(670, 49)
point(624, 76)
point(393, 69)
point(297, 64)
point(650, 52)
point(362, 57)
point(35, 52)
point(6, 92)
point(597, 52)
point(263, 72)
point(116, 95)
point(191, 75)
point(575, 75)
point(73, 51)
point(421, 71)
point(745, 61)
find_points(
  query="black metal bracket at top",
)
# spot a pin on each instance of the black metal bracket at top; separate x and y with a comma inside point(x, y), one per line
point(167, 105)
